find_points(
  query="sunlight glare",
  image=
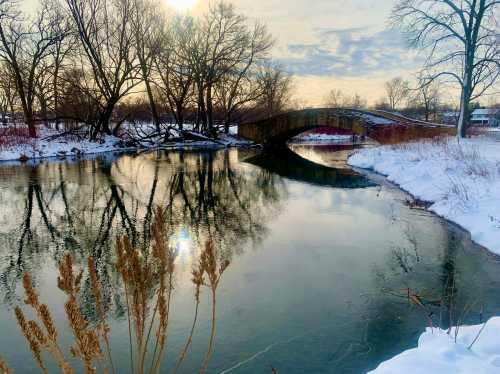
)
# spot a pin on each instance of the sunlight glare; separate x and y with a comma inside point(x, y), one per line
point(182, 5)
point(183, 245)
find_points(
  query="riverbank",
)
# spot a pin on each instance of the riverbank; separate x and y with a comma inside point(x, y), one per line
point(51, 144)
point(476, 350)
point(461, 182)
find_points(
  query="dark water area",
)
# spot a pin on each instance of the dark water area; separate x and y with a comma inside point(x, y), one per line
point(322, 259)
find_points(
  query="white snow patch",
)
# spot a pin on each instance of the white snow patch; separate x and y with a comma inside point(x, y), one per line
point(437, 352)
point(66, 146)
point(376, 119)
point(308, 137)
point(58, 147)
point(461, 180)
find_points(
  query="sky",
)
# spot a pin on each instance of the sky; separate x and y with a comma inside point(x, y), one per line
point(335, 44)
point(331, 44)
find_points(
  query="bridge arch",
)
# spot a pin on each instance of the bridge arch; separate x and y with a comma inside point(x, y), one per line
point(385, 128)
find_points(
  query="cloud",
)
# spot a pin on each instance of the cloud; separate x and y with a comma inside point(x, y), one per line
point(350, 52)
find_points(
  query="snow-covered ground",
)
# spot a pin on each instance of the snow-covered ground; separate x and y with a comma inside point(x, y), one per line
point(46, 145)
point(376, 119)
point(319, 137)
point(60, 147)
point(437, 352)
point(461, 180)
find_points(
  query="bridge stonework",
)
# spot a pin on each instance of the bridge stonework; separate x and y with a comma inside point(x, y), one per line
point(277, 130)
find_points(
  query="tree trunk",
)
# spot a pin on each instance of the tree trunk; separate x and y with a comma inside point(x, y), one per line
point(44, 109)
point(463, 120)
point(209, 111)
point(180, 116)
point(152, 104)
point(28, 116)
point(202, 117)
point(56, 96)
point(102, 124)
point(30, 121)
point(227, 122)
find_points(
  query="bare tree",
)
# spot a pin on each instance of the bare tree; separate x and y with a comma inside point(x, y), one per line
point(337, 99)
point(43, 91)
point(276, 89)
point(108, 42)
point(463, 43)
point(148, 28)
point(24, 44)
point(174, 70)
point(59, 52)
point(238, 86)
point(77, 98)
point(397, 90)
point(428, 97)
point(216, 49)
point(358, 102)
point(7, 94)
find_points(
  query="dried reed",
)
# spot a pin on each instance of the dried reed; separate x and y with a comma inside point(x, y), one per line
point(148, 280)
point(4, 369)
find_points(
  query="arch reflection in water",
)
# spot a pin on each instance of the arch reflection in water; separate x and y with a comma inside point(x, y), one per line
point(286, 163)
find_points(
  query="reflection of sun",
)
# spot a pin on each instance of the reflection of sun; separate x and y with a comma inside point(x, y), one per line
point(183, 245)
point(182, 4)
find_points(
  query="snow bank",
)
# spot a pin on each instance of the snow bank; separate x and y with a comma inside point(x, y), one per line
point(437, 352)
point(321, 137)
point(461, 180)
point(45, 146)
point(58, 147)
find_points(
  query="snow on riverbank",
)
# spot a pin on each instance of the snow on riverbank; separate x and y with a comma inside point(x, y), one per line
point(461, 180)
point(319, 137)
point(46, 146)
point(437, 352)
point(59, 147)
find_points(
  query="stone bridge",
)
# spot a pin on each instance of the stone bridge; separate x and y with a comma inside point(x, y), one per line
point(384, 127)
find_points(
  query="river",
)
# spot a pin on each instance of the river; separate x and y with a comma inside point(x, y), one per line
point(330, 271)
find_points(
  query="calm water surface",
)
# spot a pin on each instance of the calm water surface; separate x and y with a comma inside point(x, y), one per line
point(322, 258)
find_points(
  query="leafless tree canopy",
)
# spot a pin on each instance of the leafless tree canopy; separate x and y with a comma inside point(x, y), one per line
point(338, 99)
point(462, 41)
point(397, 90)
point(81, 62)
point(25, 44)
point(275, 85)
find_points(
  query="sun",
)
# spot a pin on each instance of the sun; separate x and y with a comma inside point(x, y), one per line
point(182, 5)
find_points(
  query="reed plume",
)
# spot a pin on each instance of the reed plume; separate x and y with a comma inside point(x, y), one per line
point(147, 278)
point(198, 281)
point(38, 340)
point(103, 327)
point(4, 369)
point(214, 266)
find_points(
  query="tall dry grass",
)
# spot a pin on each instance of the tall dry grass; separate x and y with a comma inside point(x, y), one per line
point(147, 279)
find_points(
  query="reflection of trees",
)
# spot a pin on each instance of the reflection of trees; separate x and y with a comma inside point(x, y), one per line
point(81, 207)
